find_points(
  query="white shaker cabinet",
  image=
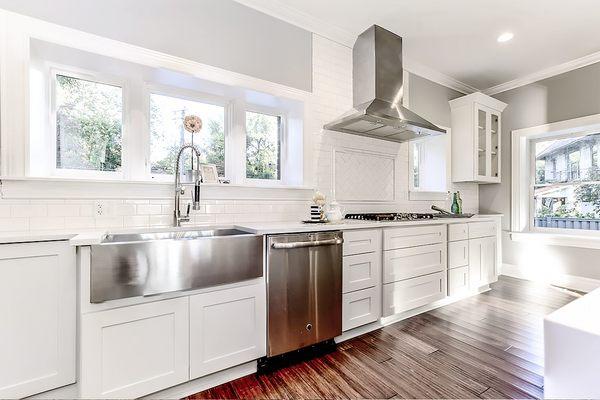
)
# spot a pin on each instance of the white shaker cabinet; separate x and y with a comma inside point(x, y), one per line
point(482, 261)
point(476, 138)
point(133, 351)
point(227, 328)
point(38, 317)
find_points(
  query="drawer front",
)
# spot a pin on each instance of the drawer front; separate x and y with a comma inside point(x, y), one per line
point(361, 271)
point(458, 281)
point(414, 261)
point(458, 232)
point(360, 308)
point(361, 241)
point(399, 238)
point(412, 293)
point(458, 254)
point(482, 229)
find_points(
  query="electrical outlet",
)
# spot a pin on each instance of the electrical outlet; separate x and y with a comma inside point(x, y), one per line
point(100, 209)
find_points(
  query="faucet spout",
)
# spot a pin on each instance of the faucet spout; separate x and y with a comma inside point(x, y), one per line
point(180, 189)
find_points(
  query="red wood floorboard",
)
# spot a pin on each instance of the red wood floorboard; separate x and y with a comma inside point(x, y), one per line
point(488, 346)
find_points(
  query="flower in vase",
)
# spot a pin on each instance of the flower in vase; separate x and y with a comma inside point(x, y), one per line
point(192, 123)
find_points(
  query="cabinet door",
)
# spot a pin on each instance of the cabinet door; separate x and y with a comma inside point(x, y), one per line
point(361, 307)
point(227, 328)
point(361, 271)
point(482, 261)
point(458, 281)
point(38, 314)
point(412, 293)
point(134, 351)
point(458, 254)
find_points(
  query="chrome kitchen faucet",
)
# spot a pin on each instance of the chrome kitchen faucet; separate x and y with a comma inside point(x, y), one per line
point(180, 189)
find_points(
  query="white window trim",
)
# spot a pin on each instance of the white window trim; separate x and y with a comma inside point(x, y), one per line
point(523, 164)
point(17, 30)
point(420, 195)
point(191, 95)
point(78, 73)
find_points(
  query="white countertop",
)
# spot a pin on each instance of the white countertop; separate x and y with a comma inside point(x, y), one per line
point(581, 314)
point(89, 237)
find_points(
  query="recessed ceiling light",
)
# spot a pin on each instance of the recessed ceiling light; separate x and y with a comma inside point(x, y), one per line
point(505, 37)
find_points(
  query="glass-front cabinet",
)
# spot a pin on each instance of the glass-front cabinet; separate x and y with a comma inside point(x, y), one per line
point(476, 139)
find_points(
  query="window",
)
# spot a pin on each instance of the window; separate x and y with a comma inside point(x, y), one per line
point(167, 133)
point(89, 123)
point(263, 146)
point(566, 185)
point(428, 160)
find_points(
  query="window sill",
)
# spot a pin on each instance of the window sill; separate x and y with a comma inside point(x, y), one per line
point(584, 241)
point(60, 188)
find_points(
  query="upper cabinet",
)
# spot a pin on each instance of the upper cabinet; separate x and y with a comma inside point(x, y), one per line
point(476, 131)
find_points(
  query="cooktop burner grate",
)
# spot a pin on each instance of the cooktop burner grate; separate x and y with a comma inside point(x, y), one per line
point(390, 216)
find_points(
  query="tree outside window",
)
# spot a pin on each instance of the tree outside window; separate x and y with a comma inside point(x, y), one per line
point(263, 146)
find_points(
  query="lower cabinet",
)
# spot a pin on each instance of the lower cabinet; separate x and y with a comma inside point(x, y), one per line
point(482, 261)
point(412, 293)
point(38, 317)
point(227, 328)
point(133, 351)
point(361, 307)
point(458, 281)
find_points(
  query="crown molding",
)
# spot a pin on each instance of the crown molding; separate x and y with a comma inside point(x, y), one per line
point(544, 74)
point(433, 75)
point(301, 19)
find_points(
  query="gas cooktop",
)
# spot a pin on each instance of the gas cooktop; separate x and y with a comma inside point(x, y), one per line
point(390, 216)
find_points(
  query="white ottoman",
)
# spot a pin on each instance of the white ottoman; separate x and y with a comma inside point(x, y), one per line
point(572, 350)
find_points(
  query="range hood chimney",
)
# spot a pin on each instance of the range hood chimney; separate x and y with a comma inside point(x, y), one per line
point(377, 92)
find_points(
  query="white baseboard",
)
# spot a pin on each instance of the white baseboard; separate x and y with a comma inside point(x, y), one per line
point(579, 283)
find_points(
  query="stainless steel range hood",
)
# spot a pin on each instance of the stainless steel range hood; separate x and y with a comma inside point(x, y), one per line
point(377, 92)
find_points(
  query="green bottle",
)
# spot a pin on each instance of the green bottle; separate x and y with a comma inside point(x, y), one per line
point(455, 208)
point(460, 206)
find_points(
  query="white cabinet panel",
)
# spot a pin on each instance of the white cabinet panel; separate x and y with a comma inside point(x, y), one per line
point(398, 238)
point(361, 271)
point(482, 261)
point(458, 232)
point(412, 262)
point(458, 254)
point(412, 293)
point(133, 351)
point(458, 281)
point(38, 317)
point(360, 308)
point(361, 241)
point(482, 229)
point(227, 328)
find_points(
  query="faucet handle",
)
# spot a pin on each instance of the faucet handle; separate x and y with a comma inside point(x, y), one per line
point(188, 210)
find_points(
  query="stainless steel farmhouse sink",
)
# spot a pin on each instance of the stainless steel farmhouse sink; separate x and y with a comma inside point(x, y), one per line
point(149, 263)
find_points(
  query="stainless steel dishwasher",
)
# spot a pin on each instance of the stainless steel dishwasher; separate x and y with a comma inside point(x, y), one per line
point(304, 290)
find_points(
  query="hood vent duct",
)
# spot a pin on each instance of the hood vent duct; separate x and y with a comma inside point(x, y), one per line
point(377, 92)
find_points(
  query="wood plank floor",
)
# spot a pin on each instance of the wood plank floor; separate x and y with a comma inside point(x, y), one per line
point(489, 346)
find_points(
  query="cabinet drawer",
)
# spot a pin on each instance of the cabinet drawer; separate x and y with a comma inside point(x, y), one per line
point(482, 229)
point(360, 308)
point(412, 293)
point(458, 232)
point(399, 238)
point(361, 271)
point(458, 254)
point(412, 262)
point(458, 281)
point(361, 241)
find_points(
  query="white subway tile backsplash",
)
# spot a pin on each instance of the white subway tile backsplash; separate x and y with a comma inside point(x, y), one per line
point(136, 221)
point(46, 223)
point(29, 210)
point(63, 210)
point(123, 209)
point(14, 224)
point(79, 222)
point(148, 209)
point(109, 222)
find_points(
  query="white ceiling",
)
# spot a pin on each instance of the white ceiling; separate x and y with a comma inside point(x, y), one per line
point(458, 37)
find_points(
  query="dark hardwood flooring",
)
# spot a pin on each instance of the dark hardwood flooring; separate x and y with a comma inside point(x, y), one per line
point(488, 346)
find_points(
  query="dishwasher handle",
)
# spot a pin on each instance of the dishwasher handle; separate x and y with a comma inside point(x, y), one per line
point(313, 243)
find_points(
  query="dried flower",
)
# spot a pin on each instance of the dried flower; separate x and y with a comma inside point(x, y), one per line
point(192, 123)
point(318, 198)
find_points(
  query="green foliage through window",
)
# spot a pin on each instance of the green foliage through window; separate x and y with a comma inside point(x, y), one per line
point(263, 146)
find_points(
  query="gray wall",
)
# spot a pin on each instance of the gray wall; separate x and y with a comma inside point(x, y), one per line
point(430, 99)
point(570, 95)
point(221, 33)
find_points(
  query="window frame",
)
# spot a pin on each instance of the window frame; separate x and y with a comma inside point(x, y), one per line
point(190, 95)
point(415, 193)
point(524, 172)
point(73, 72)
point(283, 147)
